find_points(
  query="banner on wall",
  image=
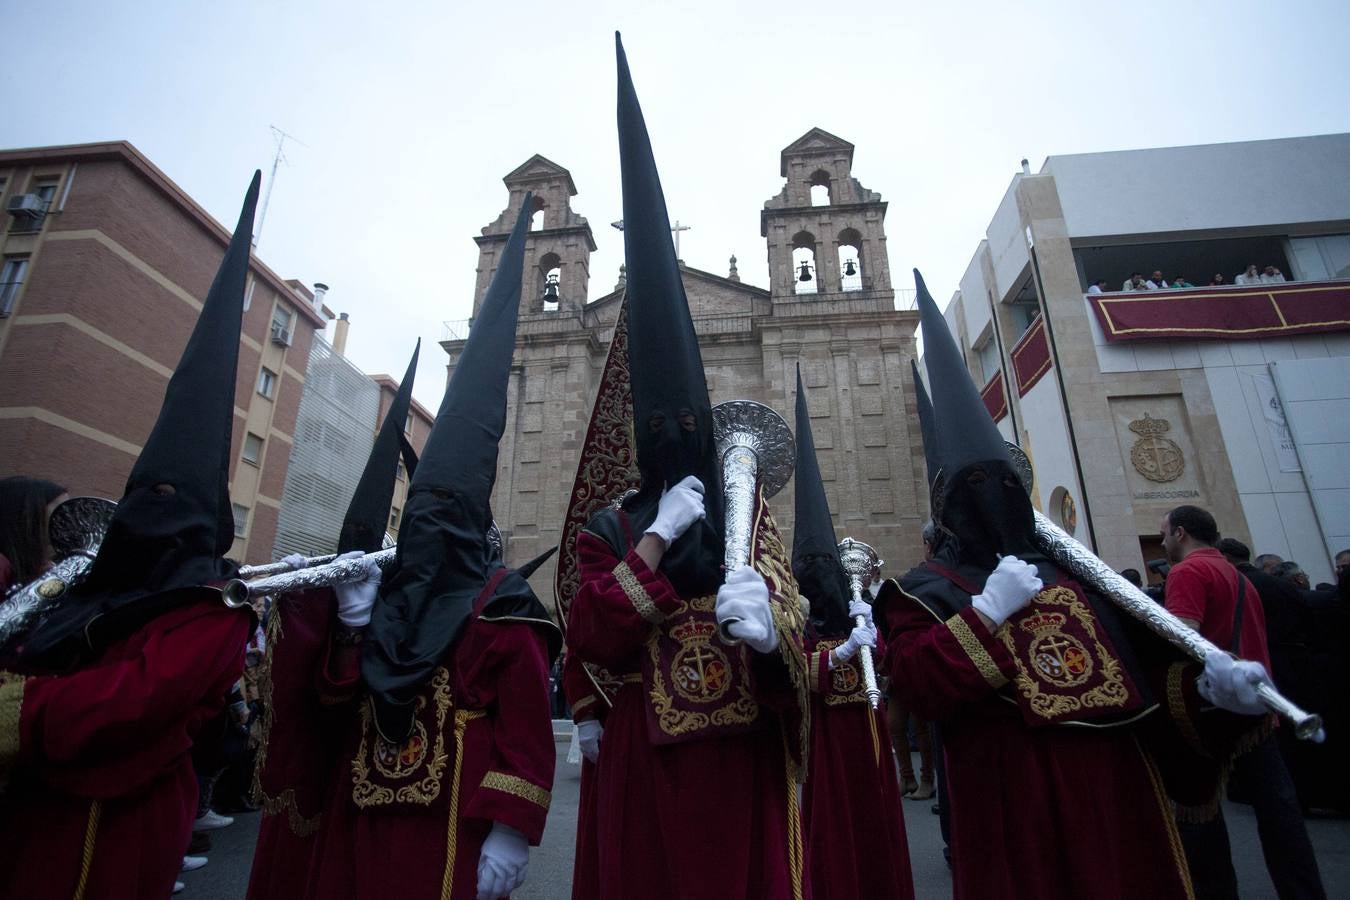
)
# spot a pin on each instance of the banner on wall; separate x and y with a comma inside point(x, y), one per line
point(1273, 411)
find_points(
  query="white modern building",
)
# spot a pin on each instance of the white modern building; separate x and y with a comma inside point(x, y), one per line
point(1234, 397)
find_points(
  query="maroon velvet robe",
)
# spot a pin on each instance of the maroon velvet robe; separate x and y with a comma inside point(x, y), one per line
point(586, 703)
point(704, 818)
point(1051, 811)
point(855, 832)
point(297, 758)
point(410, 820)
point(101, 790)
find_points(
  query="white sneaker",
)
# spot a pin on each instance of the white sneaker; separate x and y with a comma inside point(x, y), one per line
point(211, 820)
point(178, 886)
point(193, 863)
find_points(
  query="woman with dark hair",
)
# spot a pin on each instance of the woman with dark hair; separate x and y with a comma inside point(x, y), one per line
point(25, 504)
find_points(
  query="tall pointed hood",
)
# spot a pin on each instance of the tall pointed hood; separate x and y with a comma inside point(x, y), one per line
point(977, 495)
point(815, 552)
point(927, 428)
point(174, 523)
point(444, 561)
point(672, 414)
point(367, 517)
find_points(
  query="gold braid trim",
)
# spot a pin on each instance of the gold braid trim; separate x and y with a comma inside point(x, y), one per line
point(795, 866)
point(11, 709)
point(1169, 821)
point(90, 836)
point(462, 718)
point(517, 787)
point(583, 703)
point(975, 650)
point(637, 594)
point(813, 670)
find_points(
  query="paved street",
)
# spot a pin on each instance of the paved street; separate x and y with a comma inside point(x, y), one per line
point(226, 876)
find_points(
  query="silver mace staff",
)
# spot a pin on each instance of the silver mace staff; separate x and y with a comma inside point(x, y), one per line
point(340, 571)
point(1084, 565)
point(755, 447)
point(860, 559)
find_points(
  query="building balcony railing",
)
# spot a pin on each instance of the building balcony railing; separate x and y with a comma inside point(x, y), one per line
point(1227, 312)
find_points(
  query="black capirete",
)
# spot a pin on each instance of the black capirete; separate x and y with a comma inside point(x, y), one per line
point(367, 518)
point(672, 414)
point(162, 542)
point(444, 560)
point(977, 494)
point(815, 552)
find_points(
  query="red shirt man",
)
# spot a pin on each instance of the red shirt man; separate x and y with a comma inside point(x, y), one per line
point(1202, 590)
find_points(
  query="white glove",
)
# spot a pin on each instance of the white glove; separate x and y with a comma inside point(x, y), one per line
point(356, 598)
point(743, 609)
point(861, 636)
point(1009, 588)
point(1231, 683)
point(589, 732)
point(860, 608)
point(293, 561)
point(680, 507)
point(502, 864)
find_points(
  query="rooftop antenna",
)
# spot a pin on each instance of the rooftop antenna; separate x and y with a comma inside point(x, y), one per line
point(277, 160)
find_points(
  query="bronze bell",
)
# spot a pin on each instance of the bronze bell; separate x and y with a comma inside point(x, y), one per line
point(551, 289)
point(805, 274)
point(849, 268)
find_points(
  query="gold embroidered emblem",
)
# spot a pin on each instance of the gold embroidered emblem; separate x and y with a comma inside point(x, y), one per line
point(674, 719)
point(422, 767)
point(1155, 457)
point(700, 672)
point(1061, 658)
point(1053, 652)
point(394, 761)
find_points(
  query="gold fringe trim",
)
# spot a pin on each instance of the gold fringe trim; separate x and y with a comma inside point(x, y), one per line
point(11, 712)
point(272, 635)
point(90, 836)
point(1176, 704)
point(1199, 814)
point(285, 803)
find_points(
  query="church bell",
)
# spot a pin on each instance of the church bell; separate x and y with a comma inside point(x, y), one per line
point(805, 274)
point(551, 289)
point(849, 268)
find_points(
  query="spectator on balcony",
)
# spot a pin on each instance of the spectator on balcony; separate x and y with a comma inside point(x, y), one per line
point(1136, 282)
point(1157, 280)
point(1097, 286)
point(1251, 276)
point(1271, 275)
point(1218, 280)
point(1179, 281)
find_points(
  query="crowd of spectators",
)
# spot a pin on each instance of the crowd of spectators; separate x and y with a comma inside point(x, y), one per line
point(1157, 282)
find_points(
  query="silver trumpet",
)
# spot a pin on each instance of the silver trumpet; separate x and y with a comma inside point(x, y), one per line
point(755, 447)
point(339, 571)
point(859, 560)
point(75, 532)
point(1087, 568)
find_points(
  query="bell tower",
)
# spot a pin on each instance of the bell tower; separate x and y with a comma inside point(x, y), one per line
point(558, 249)
point(826, 232)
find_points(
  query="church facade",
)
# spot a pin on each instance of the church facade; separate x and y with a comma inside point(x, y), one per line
point(829, 307)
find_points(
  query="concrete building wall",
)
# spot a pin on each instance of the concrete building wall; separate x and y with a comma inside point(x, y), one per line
point(1294, 181)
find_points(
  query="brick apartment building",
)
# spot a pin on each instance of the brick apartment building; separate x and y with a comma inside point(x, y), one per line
point(104, 262)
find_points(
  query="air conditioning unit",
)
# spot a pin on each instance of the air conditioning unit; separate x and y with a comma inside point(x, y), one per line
point(27, 205)
point(280, 335)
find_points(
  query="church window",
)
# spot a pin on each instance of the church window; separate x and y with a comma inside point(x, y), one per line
point(805, 277)
point(549, 282)
point(821, 194)
point(850, 260)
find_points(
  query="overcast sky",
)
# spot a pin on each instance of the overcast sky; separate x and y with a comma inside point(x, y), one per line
point(411, 113)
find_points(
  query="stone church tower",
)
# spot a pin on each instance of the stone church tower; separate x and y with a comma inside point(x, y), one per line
point(841, 326)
